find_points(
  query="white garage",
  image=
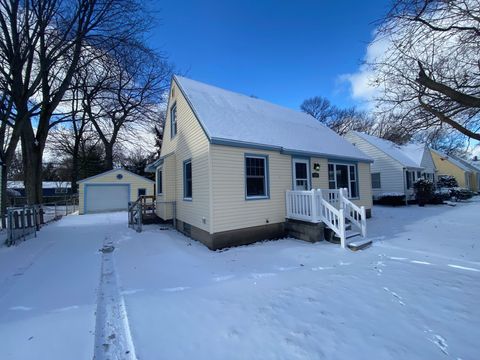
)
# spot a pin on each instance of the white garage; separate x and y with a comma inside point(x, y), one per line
point(111, 191)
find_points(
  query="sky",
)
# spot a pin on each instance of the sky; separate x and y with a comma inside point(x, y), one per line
point(280, 51)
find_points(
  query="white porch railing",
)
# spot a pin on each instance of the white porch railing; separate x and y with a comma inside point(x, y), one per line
point(331, 207)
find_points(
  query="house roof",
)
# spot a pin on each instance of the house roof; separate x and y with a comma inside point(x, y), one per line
point(453, 160)
point(234, 119)
point(414, 151)
point(114, 170)
point(471, 166)
point(405, 158)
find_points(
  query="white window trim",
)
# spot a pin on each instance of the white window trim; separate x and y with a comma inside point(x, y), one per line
point(265, 177)
point(349, 179)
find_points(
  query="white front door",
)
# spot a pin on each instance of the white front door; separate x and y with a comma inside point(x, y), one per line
point(301, 174)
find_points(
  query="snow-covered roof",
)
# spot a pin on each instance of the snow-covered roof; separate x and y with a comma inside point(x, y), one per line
point(393, 150)
point(468, 163)
point(238, 120)
point(414, 152)
point(45, 184)
point(453, 160)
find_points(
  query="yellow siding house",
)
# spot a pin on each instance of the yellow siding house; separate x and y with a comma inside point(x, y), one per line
point(229, 162)
point(450, 165)
point(111, 191)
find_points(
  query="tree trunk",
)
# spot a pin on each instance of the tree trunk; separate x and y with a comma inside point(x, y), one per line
point(108, 156)
point(4, 197)
point(75, 170)
point(32, 165)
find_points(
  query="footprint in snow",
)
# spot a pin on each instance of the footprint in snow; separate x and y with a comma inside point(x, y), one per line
point(223, 278)
point(440, 342)
point(395, 295)
point(318, 268)
point(176, 289)
point(262, 275)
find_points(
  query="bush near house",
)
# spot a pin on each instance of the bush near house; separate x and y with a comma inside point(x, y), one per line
point(424, 191)
point(391, 198)
point(461, 193)
point(446, 181)
point(440, 195)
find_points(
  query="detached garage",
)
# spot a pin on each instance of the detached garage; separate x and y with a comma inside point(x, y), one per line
point(111, 191)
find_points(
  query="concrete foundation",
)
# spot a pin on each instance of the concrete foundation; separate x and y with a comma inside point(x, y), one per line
point(304, 230)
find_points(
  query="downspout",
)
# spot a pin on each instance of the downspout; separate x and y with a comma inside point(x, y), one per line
point(405, 185)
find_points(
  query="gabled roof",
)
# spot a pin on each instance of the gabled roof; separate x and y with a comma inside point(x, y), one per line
point(234, 119)
point(453, 160)
point(468, 164)
point(415, 152)
point(392, 150)
point(114, 170)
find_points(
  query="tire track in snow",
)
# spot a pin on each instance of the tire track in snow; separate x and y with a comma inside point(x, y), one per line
point(113, 340)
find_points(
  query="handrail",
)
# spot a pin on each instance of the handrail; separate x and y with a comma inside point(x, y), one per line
point(356, 214)
point(334, 219)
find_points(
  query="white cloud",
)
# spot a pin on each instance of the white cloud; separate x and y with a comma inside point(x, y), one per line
point(360, 82)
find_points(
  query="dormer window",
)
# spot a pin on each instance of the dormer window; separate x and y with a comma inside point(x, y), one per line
point(173, 121)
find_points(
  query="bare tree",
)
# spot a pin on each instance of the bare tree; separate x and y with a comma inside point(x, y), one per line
point(41, 44)
point(429, 75)
point(127, 96)
point(339, 120)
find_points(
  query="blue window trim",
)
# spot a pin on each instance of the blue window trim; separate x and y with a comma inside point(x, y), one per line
point(174, 106)
point(309, 159)
point(267, 176)
point(86, 186)
point(185, 162)
point(161, 182)
point(357, 182)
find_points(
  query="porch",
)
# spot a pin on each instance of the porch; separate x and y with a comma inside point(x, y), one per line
point(331, 207)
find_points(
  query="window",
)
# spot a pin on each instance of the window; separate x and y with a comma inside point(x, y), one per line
point(410, 179)
point(343, 176)
point(187, 180)
point(256, 181)
point(159, 181)
point(376, 182)
point(142, 192)
point(173, 120)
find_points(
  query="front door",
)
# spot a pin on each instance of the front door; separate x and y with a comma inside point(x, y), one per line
point(301, 174)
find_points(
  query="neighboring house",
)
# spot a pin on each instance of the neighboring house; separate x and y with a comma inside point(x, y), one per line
point(450, 165)
point(228, 159)
point(111, 191)
point(49, 188)
point(395, 168)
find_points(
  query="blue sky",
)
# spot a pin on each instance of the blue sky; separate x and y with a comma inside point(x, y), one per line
point(280, 51)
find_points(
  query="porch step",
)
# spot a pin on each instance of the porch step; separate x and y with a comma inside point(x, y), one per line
point(350, 234)
point(359, 244)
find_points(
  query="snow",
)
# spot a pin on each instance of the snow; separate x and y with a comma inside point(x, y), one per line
point(415, 152)
point(229, 116)
point(391, 149)
point(412, 295)
point(45, 185)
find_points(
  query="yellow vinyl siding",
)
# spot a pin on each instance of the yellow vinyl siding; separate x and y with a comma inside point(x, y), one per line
point(163, 209)
point(189, 143)
point(445, 167)
point(230, 208)
point(135, 182)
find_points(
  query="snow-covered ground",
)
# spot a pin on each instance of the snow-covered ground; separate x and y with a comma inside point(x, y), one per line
point(414, 294)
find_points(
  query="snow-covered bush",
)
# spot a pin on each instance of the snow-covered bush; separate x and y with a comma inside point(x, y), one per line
point(440, 195)
point(446, 181)
point(390, 198)
point(461, 193)
point(423, 191)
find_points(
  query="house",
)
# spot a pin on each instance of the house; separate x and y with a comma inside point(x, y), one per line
point(465, 173)
point(228, 162)
point(395, 168)
point(49, 188)
point(111, 191)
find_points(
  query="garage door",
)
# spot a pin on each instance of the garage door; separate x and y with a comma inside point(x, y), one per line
point(103, 198)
